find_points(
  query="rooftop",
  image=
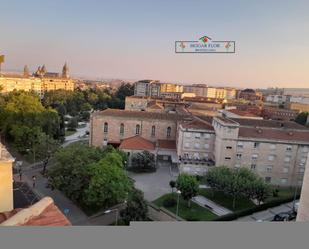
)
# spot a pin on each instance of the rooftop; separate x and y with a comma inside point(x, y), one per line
point(197, 124)
point(42, 213)
point(242, 113)
point(4, 154)
point(269, 124)
point(167, 144)
point(274, 134)
point(140, 114)
point(136, 143)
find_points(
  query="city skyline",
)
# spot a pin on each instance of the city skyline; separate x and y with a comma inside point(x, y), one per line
point(136, 40)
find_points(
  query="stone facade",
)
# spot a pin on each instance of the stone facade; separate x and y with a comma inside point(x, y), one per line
point(303, 209)
point(6, 180)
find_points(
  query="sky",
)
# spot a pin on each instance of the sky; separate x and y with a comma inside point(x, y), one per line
point(135, 40)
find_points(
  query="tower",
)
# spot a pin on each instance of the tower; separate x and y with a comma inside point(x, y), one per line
point(26, 71)
point(65, 71)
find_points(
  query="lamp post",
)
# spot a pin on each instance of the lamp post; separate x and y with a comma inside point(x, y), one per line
point(113, 210)
point(177, 209)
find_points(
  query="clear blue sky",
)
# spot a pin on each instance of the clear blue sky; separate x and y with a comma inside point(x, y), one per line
point(135, 39)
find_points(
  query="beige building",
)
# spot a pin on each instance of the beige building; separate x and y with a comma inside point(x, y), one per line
point(6, 180)
point(303, 209)
point(276, 152)
point(301, 107)
point(40, 82)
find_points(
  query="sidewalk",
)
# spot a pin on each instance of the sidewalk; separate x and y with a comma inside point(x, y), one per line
point(212, 206)
point(70, 210)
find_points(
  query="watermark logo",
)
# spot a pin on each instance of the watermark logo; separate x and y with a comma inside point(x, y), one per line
point(205, 44)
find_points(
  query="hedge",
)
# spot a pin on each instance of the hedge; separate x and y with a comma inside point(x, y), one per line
point(248, 211)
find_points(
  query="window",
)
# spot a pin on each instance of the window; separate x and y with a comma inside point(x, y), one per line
point(240, 145)
point(196, 156)
point(137, 129)
point(303, 160)
point(237, 166)
point(168, 132)
point(287, 159)
point(301, 170)
point(104, 142)
point(153, 131)
point(206, 135)
point(228, 147)
point(271, 157)
point(121, 129)
point(238, 156)
point(206, 146)
point(254, 157)
point(187, 145)
point(196, 145)
point(268, 179)
point(305, 149)
point(272, 146)
point(206, 155)
point(198, 135)
point(269, 169)
point(227, 158)
point(256, 145)
point(289, 148)
point(253, 166)
point(105, 128)
point(188, 134)
point(284, 180)
point(285, 170)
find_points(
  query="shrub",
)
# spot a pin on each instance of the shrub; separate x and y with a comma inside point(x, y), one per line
point(169, 202)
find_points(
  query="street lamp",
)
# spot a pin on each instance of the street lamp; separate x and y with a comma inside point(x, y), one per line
point(113, 210)
point(177, 209)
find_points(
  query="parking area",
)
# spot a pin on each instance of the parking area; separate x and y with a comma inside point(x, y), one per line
point(154, 184)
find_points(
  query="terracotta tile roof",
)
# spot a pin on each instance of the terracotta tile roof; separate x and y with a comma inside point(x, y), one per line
point(197, 124)
point(167, 144)
point(269, 123)
point(242, 113)
point(42, 213)
point(139, 114)
point(274, 134)
point(136, 143)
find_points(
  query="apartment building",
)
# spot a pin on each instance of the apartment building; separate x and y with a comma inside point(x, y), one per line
point(6, 180)
point(276, 150)
point(146, 88)
point(303, 209)
point(200, 90)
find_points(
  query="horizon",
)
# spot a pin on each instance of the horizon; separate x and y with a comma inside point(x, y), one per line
point(132, 41)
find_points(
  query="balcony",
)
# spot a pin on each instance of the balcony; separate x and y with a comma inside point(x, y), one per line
point(202, 161)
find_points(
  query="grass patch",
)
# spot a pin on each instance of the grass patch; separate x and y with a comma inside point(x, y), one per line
point(194, 213)
point(226, 200)
point(284, 193)
point(69, 133)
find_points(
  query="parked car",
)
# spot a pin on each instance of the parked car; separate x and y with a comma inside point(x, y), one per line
point(285, 216)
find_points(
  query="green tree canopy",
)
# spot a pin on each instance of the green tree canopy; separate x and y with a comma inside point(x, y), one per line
point(188, 185)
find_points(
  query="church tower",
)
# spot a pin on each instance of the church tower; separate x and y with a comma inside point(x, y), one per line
point(65, 71)
point(26, 71)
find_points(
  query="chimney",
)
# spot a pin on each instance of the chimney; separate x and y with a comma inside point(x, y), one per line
point(6, 180)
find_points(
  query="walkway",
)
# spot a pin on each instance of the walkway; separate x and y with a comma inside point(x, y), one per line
point(79, 133)
point(212, 206)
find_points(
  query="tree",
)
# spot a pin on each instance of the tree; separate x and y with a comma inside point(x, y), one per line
point(136, 208)
point(72, 124)
point(109, 185)
point(71, 173)
point(237, 183)
point(302, 118)
point(143, 162)
point(172, 185)
point(188, 185)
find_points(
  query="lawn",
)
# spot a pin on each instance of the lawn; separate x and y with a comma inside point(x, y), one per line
point(226, 200)
point(69, 133)
point(194, 213)
point(283, 193)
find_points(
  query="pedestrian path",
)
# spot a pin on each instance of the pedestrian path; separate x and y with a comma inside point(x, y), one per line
point(214, 207)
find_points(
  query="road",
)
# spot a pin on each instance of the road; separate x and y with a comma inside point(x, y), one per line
point(267, 215)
